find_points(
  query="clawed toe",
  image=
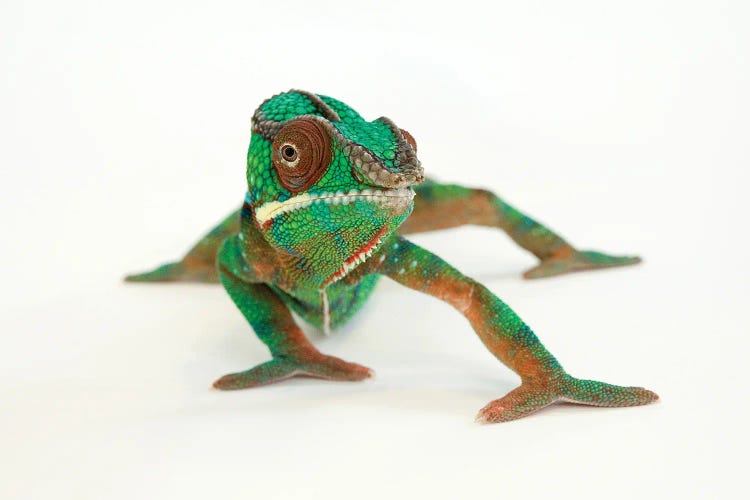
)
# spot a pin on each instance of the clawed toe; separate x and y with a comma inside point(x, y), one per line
point(520, 402)
point(272, 371)
point(332, 368)
point(529, 398)
point(578, 261)
point(282, 368)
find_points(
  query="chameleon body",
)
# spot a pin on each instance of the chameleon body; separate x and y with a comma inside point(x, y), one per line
point(329, 199)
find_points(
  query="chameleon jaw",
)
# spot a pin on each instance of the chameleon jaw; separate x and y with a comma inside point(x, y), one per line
point(361, 255)
point(265, 213)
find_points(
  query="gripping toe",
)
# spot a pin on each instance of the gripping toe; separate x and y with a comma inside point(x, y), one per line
point(532, 397)
point(518, 403)
point(594, 393)
point(579, 261)
point(199, 272)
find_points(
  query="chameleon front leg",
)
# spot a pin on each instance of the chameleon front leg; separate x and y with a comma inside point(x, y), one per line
point(443, 206)
point(292, 353)
point(543, 380)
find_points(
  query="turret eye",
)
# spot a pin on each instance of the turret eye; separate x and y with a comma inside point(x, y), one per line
point(301, 153)
point(288, 153)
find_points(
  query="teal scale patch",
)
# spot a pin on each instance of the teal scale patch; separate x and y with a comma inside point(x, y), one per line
point(284, 107)
point(375, 136)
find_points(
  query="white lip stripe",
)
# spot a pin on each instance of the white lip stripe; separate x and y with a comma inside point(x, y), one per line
point(272, 209)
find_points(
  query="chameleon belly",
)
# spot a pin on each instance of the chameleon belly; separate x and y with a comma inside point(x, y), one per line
point(344, 301)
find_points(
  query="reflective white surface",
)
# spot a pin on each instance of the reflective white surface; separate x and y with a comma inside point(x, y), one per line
point(124, 131)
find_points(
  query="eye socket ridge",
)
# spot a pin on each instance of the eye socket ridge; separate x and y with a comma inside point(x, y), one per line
point(409, 138)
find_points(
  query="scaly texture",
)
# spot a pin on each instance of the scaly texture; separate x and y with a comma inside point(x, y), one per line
point(329, 196)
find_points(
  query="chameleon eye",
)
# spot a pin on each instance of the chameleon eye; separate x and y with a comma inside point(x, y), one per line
point(410, 139)
point(288, 153)
point(301, 153)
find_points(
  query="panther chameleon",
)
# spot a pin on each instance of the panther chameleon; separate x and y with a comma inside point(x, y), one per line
point(329, 199)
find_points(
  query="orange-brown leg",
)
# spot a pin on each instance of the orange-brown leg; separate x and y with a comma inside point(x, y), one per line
point(199, 264)
point(443, 206)
point(543, 380)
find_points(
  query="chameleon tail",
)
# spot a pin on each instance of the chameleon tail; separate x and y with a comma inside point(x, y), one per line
point(199, 264)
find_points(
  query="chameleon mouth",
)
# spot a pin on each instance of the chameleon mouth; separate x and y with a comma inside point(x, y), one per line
point(357, 258)
point(394, 198)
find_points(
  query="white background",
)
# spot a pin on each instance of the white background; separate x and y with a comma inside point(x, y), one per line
point(623, 125)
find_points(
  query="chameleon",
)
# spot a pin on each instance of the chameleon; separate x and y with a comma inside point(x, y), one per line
point(330, 198)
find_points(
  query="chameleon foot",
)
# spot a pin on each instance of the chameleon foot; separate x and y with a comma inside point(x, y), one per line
point(575, 261)
point(178, 271)
point(531, 397)
point(315, 365)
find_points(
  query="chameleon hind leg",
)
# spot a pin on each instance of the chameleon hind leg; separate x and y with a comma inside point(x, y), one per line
point(443, 206)
point(199, 263)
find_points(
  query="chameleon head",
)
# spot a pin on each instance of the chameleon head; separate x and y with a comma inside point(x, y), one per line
point(326, 186)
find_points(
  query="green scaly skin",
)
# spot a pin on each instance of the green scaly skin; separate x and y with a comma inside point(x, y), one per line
point(318, 249)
